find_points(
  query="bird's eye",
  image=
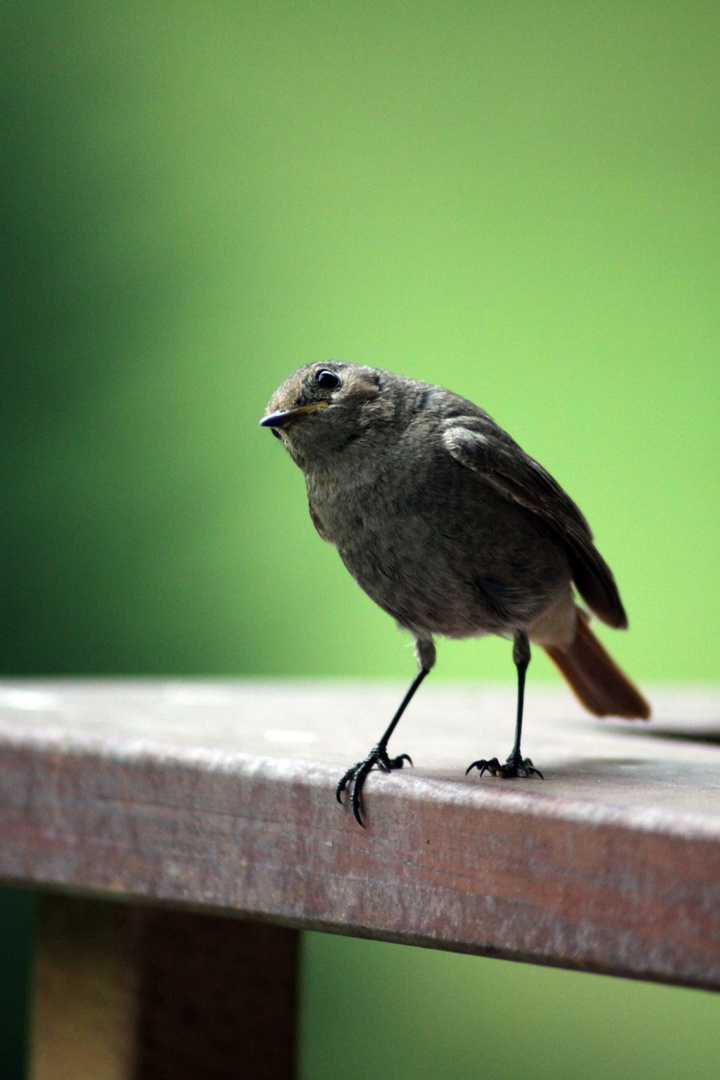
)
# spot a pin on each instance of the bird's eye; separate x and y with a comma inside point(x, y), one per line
point(327, 380)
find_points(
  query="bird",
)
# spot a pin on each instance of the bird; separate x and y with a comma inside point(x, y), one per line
point(453, 530)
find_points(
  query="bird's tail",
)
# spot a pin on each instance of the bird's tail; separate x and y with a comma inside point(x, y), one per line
point(598, 682)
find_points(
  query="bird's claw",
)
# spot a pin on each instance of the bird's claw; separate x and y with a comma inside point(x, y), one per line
point(514, 766)
point(355, 777)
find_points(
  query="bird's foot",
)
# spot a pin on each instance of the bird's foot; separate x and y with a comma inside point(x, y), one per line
point(516, 765)
point(355, 777)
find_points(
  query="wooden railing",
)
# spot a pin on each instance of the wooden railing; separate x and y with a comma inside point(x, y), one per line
point(181, 833)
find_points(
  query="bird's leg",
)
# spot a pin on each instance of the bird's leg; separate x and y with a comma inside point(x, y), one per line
point(516, 764)
point(378, 758)
point(521, 655)
point(355, 777)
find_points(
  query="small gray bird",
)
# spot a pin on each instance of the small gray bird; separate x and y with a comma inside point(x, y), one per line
point(452, 529)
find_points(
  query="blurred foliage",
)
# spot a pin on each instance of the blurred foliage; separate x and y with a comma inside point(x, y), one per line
point(18, 914)
point(393, 1012)
point(517, 201)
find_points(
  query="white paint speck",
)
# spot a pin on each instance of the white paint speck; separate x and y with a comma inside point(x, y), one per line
point(30, 700)
point(278, 736)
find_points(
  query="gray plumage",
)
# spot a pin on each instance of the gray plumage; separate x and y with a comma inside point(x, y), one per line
point(438, 514)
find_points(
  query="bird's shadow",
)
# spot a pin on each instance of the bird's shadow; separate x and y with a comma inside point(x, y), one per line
point(625, 771)
point(580, 768)
point(681, 734)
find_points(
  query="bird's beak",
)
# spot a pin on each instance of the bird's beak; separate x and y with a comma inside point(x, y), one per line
point(284, 417)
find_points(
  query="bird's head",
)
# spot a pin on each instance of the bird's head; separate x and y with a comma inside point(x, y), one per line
point(323, 407)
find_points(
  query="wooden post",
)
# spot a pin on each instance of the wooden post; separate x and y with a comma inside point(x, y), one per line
point(134, 993)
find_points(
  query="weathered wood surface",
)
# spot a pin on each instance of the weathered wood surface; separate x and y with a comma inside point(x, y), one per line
point(220, 795)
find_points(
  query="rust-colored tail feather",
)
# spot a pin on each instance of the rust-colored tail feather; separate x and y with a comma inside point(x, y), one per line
point(600, 685)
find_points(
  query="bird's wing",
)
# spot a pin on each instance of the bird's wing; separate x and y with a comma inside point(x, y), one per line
point(477, 442)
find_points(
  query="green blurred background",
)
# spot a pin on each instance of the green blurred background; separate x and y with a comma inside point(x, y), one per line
point(519, 201)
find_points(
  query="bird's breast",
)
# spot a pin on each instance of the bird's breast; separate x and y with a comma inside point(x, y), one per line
point(436, 547)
